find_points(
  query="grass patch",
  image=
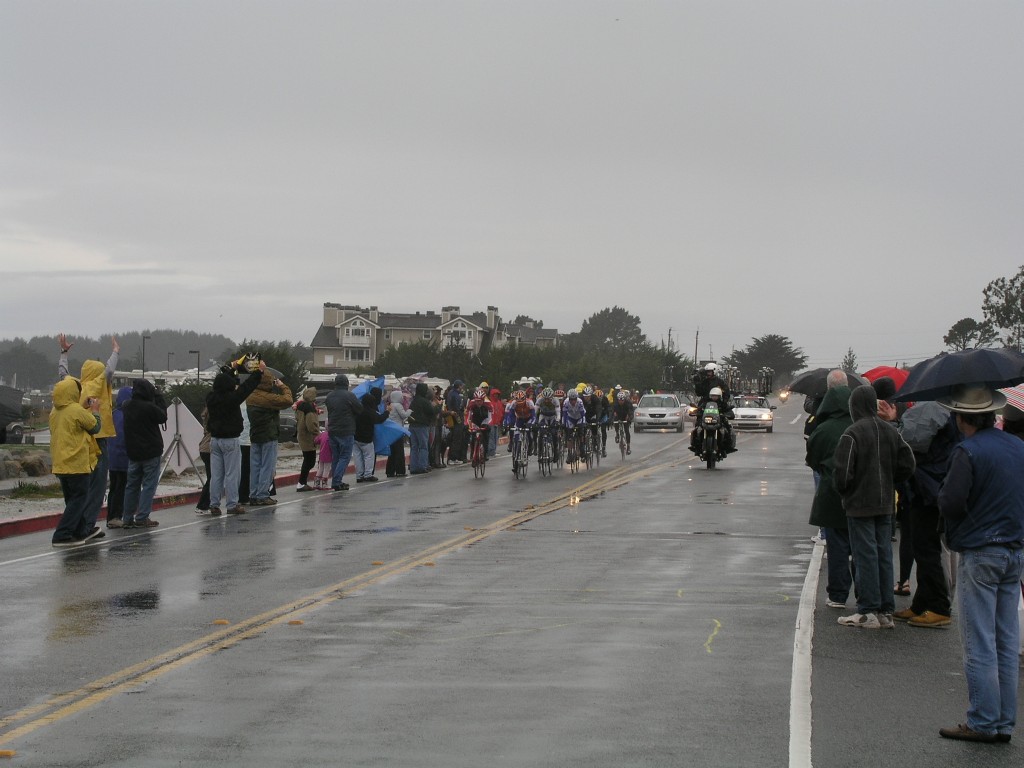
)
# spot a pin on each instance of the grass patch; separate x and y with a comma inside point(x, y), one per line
point(36, 491)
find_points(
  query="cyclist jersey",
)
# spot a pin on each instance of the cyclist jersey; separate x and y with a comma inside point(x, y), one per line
point(593, 409)
point(478, 413)
point(548, 410)
point(623, 410)
point(573, 412)
point(520, 412)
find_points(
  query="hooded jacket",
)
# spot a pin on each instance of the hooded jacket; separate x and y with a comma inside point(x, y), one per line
point(398, 413)
point(117, 456)
point(143, 416)
point(307, 420)
point(96, 384)
point(264, 406)
point(870, 459)
point(422, 412)
point(370, 417)
point(71, 430)
point(342, 409)
point(832, 419)
point(224, 403)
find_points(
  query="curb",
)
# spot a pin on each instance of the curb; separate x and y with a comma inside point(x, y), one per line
point(49, 521)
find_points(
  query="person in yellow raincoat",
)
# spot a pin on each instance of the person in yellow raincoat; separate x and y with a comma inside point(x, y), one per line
point(72, 449)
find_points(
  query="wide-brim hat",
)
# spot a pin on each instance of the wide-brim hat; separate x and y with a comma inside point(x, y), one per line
point(971, 398)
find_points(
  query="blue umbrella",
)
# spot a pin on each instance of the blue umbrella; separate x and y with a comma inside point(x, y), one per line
point(384, 434)
point(936, 377)
point(364, 388)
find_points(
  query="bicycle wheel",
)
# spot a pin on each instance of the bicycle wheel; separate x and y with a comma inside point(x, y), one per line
point(621, 440)
point(523, 453)
point(572, 452)
point(544, 455)
point(479, 458)
point(587, 449)
point(595, 437)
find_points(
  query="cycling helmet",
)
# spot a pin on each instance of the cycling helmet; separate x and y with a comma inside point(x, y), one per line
point(599, 392)
point(715, 391)
point(560, 394)
point(518, 395)
point(479, 393)
point(573, 394)
point(547, 393)
point(587, 391)
point(622, 394)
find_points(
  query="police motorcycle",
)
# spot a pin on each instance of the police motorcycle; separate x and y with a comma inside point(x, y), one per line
point(712, 440)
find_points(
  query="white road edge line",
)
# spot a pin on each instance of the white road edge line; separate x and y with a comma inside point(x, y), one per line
point(800, 684)
point(794, 421)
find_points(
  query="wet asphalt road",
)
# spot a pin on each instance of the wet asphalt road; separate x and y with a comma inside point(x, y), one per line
point(448, 621)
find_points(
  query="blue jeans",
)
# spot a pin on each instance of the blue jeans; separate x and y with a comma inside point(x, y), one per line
point(987, 592)
point(871, 542)
point(225, 470)
point(419, 446)
point(143, 477)
point(366, 459)
point(262, 464)
point(492, 441)
point(76, 494)
point(341, 451)
point(840, 577)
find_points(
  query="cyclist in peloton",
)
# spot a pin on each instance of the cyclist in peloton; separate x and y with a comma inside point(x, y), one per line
point(549, 413)
point(574, 412)
point(622, 410)
point(521, 412)
point(595, 410)
point(478, 414)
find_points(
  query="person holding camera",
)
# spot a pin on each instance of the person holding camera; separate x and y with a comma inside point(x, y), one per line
point(225, 424)
point(144, 415)
point(264, 406)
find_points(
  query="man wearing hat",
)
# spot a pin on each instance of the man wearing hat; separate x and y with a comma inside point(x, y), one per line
point(982, 506)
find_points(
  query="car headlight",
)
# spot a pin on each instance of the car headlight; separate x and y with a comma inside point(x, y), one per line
point(766, 417)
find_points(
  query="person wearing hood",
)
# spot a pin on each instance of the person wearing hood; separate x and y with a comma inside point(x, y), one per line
point(930, 431)
point(264, 406)
point(399, 414)
point(870, 460)
point(118, 461)
point(144, 415)
point(885, 391)
point(72, 427)
point(342, 409)
point(832, 420)
point(365, 454)
point(307, 427)
point(96, 383)
point(455, 404)
point(982, 506)
point(421, 419)
point(224, 421)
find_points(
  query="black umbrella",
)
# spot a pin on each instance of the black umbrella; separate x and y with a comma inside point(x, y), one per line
point(814, 382)
point(936, 377)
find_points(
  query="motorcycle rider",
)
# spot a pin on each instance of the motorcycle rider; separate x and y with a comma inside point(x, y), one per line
point(704, 384)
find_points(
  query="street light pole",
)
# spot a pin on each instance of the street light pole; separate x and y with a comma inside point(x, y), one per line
point(196, 353)
point(144, 355)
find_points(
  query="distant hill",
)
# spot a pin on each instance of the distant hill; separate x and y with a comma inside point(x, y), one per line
point(32, 364)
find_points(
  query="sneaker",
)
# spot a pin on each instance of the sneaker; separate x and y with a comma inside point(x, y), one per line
point(342, 487)
point(604, 454)
point(64, 543)
point(269, 501)
point(258, 503)
point(147, 523)
point(905, 615)
point(885, 621)
point(862, 620)
point(95, 533)
point(964, 733)
point(201, 511)
point(930, 619)
point(214, 511)
point(370, 479)
point(115, 523)
point(128, 523)
point(835, 604)
point(302, 488)
point(236, 510)
point(454, 462)
point(629, 451)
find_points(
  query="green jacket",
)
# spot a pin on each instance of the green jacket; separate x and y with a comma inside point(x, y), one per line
point(832, 419)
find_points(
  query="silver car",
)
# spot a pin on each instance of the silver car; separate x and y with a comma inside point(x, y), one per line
point(659, 412)
point(752, 412)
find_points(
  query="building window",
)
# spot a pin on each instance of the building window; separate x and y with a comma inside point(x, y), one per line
point(357, 355)
point(387, 333)
point(328, 359)
point(360, 332)
point(427, 335)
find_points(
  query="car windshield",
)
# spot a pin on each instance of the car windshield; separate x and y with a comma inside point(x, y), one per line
point(750, 402)
point(658, 401)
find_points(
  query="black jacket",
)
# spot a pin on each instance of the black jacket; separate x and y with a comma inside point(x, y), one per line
point(369, 418)
point(224, 404)
point(143, 415)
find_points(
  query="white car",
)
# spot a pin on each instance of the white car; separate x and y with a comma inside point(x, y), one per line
point(659, 412)
point(752, 412)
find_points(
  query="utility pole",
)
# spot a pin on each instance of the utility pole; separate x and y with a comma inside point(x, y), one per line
point(696, 343)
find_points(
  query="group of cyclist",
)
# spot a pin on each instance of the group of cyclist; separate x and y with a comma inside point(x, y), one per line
point(559, 411)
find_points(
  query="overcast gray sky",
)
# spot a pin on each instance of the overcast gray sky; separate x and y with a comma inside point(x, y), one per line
point(845, 174)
